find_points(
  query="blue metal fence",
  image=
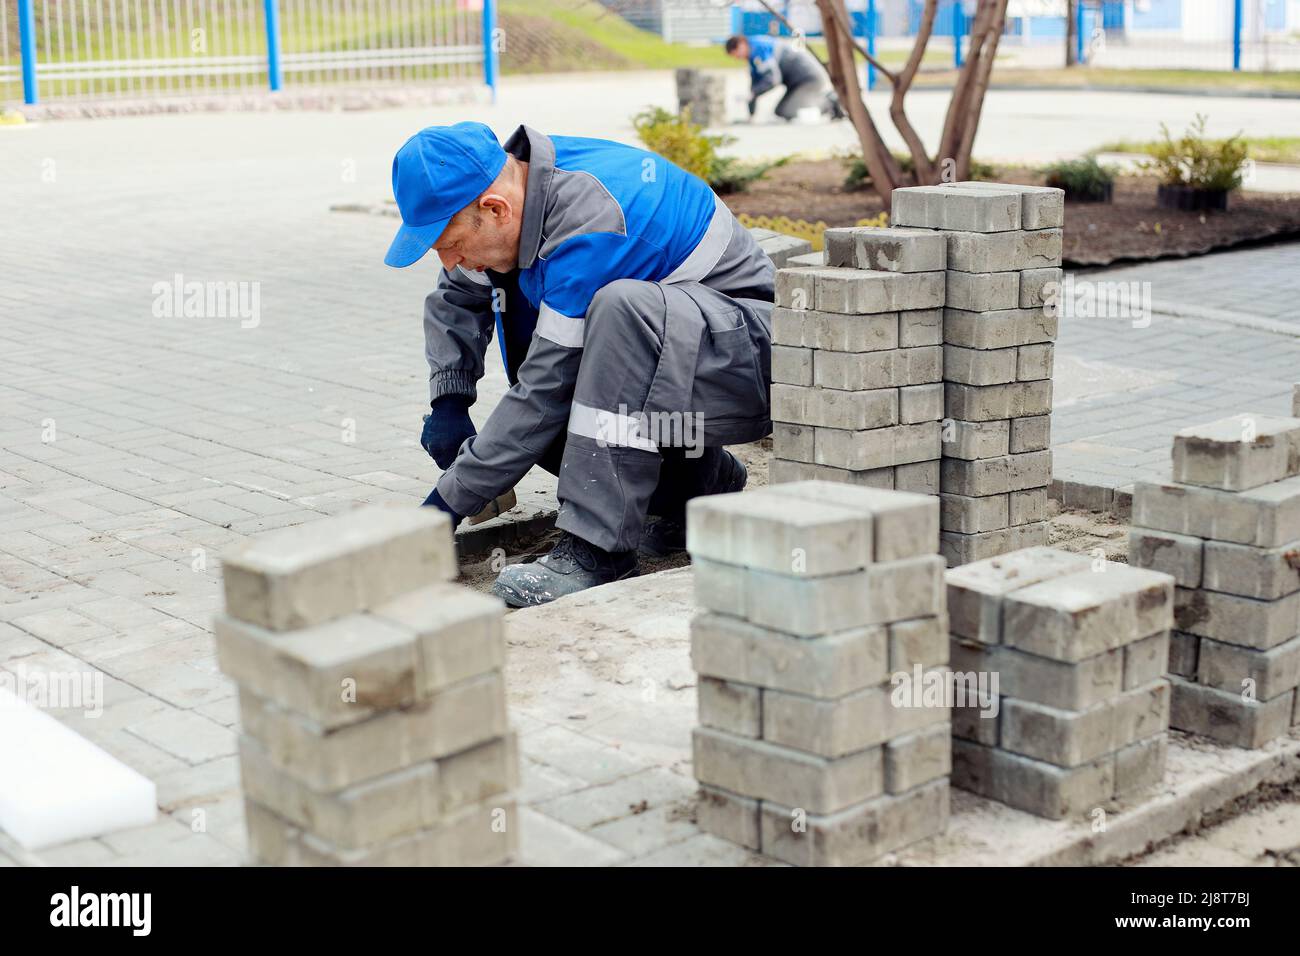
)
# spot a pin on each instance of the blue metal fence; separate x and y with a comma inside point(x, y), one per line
point(61, 50)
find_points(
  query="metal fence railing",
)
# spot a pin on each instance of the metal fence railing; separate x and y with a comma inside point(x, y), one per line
point(61, 50)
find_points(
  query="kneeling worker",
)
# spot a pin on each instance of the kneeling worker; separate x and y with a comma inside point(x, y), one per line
point(775, 62)
point(634, 318)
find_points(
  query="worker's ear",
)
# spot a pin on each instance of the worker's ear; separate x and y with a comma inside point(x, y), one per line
point(498, 207)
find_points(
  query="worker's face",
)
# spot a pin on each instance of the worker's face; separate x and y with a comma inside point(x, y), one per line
point(484, 235)
point(741, 52)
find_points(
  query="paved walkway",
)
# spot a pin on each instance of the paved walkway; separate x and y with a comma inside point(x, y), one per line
point(136, 445)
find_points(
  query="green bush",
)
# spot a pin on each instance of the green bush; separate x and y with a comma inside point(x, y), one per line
point(1198, 162)
point(1082, 178)
point(857, 177)
point(674, 137)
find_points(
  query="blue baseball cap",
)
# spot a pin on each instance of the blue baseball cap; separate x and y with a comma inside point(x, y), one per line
point(437, 173)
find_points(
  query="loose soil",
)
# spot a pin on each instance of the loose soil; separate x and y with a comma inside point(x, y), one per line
point(1131, 228)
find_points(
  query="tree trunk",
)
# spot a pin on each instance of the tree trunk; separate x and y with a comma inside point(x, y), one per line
point(925, 172)
point(1071, 32)
point(975, 106)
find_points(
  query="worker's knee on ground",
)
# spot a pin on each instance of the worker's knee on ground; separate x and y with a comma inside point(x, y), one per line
point(620, 296)
point(616, 305)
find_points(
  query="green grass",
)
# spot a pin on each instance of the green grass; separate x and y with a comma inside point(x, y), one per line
point(1156, 79)
point(1262, 149)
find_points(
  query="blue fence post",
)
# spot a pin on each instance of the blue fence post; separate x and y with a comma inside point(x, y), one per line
point(274, 74)
point(491, 64)
point(871, 43)
point(27, 44)
point(1237, 17)
point(1079, 45)
point(958, 28)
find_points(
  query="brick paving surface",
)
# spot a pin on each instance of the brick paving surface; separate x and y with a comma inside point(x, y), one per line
point(135, 447)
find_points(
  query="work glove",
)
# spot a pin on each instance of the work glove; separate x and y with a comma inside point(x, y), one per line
point(753, 105)
point(446, 427)
point(435, 501)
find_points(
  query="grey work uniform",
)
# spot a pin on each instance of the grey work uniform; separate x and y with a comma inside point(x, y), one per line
point(691, 343)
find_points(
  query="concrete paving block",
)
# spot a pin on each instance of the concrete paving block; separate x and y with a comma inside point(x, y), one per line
point(1265, 573)
point(982, 291)
point(861, 292)
point(856, 835)
point(1032, 785)
point(1141, 765)
point(886, 249)
point(729, 816)
point(974, 440)
point(1145, 660)
point(1003, 251)
point(922, 640)
point(761, 530)
point(918, 758)
point(1032, 535)
point(834, 408)
point(473, 775)
point(956, 207)
point(864, 450)
point(788, 327)
point(1229, 718)
point(978, 725)
point(905, 525)
point(764, 771)
point(735, 708)
point(1176, 554)
point(979, 366)
point(829, 728)
point(917, 477)
point(1141, 712)
point(1237, 620)
point(920, 403)
point(785, 472)
point(718, 586)
point(783, 249)
point(829, 667)
point(454, 719)
point(792, 442)
point(832, 332)
point(316, 572)
point(1267, 516)
point(979, 478)
point(1238, 453)
point(792, 366)
point(998, 330)
point(1031, 433)
point(853, 371)
point(805, 259)
point(459, 633)
point(958, 548)
point(1078, 615)
point(1027, 506)
point(373, 811)
point(917, 703)
point(797, 288)
point(1029, 470)
point(1041, 207)
point(1184, 654)
point(1241, 670)
point(1036, 286)
point(1295, 401)
point(986, 403)
point(970, 515)
point(975, 591)
point(918, 327)
point(1073, 686)
point(1034, 362)
point(1064, 738)
point(808, 607)
point(334, 674)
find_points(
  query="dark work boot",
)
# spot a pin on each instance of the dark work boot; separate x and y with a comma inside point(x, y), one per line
point(572, 566)
point(667, 535)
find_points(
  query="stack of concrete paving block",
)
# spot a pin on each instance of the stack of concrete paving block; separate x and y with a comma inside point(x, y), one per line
point(704, 94)
point(371, 696)
point(857, 363)
point(1003, 251)
point(780, 248)
point(1080, 711)
point(812, 594)
point(1228, 529)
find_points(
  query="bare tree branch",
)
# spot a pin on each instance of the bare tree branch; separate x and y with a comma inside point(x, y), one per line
point(920, 159)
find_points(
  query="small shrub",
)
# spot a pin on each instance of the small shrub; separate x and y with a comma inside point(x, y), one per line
point(1198, 162)
point(1084, 178)
point(678, 140)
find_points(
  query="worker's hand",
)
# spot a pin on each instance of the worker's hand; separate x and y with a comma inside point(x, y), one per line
point(445, 428)
point(753, 105)
point(435, 501)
